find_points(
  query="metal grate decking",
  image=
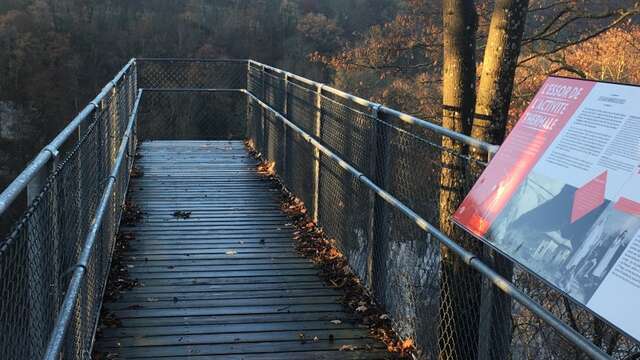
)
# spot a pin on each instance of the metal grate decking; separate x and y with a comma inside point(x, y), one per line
point(226, 280)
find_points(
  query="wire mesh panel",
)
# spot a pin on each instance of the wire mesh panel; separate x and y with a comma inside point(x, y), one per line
point(274, 141)
point(198, 115)
point(255, 80)
point(302, 106)
point(344, 211)
point(191, 74)
point(300, 165)
point(254, 130)
point(42, 249)
point(274, 91)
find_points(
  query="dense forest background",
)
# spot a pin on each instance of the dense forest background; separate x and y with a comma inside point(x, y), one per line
point(57, 54)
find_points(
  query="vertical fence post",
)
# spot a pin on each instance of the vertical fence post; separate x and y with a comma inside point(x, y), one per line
point(83, 217)
point(56, 235)
point(130, 94)
point(317, 131)
point(35, 267)
point(135, 77)
point(248, 121)
point(285, 113)
point(263, 133)
point(379, 165)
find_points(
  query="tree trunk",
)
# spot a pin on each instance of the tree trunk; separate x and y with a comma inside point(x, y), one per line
point(498, 70)
point(459, 285)
point(489, 124)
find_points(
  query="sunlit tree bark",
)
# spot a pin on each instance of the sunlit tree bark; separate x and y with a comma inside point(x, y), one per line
point(459, 286)
point(490, 119)
point(498, 71)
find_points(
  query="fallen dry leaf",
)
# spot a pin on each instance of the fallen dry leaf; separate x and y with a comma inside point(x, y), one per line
point(406, 344)
point(347, 348)
point(182, 214)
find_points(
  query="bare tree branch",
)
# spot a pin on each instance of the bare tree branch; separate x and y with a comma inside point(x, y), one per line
point(624, 15)
point(550, 6)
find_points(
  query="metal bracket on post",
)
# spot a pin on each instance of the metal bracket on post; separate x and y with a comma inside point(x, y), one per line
point(317, 131)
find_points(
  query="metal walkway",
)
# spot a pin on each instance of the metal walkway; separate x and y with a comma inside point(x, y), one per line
point(222, 277)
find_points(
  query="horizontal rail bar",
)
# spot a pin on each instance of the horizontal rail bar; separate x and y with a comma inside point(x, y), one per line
point(193, 60)
point(468, 257)
point(409, 119)
point(465, 139)
point(190, 90)
point(51, 150)
point(66, 312)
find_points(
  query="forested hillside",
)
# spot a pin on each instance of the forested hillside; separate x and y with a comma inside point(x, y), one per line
point(57, 54)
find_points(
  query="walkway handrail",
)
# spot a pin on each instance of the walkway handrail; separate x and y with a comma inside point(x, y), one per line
point(468, 257)
point(409, 119)
point(43, 256)
point(73, 291)
point(51, 150)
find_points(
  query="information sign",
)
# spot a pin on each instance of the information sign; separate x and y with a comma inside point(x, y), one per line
point(562, 195)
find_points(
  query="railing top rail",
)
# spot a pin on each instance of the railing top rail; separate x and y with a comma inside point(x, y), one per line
point(193, 60)
point(51, 150)
point(410, 119)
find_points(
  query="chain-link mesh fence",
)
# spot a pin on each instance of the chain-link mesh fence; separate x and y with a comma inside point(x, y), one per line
point(433, 297)
point(41, 251)
point(191, 74)
point(192, 99)
point(194, 115)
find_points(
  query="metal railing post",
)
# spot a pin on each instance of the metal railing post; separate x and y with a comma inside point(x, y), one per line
point(42, 296)
point(317, 132)
point(57, 213)
point(285, 111)
point(263, 133)
point(379, 164)
point(83, 217)
point(134, 75)
point(248, 121)
point(34, 268)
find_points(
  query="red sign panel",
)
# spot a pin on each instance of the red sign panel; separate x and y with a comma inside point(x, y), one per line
point(539, 125)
